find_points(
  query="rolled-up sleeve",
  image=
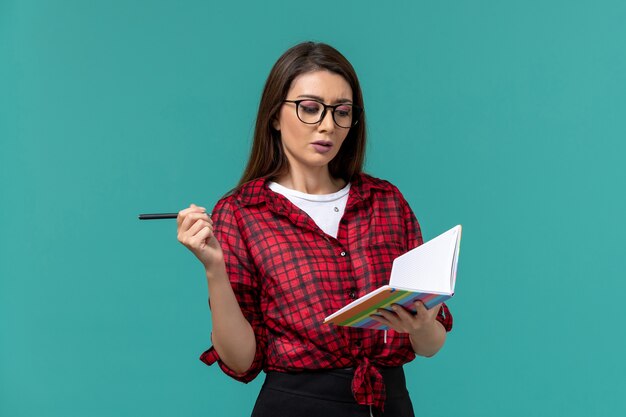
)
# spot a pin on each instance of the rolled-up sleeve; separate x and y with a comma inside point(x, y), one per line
point(243, 279)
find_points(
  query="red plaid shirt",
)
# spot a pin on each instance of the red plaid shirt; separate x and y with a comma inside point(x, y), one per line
point(288, 275)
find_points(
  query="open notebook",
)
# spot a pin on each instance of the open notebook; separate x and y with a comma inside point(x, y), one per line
point(426, 273)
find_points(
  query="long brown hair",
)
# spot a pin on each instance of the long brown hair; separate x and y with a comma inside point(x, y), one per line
point(267, 158)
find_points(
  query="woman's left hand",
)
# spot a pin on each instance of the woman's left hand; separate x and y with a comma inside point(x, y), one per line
point(403, 321)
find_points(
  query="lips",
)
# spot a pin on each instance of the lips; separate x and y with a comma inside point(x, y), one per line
point(322, 146)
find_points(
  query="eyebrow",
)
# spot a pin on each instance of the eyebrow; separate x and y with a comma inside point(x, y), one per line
point(340, 100)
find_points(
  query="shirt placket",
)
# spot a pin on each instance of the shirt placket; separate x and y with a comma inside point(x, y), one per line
point(340, 248)
point(353, 290)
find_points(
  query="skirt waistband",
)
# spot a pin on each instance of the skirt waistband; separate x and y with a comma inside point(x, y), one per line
point(332, 384)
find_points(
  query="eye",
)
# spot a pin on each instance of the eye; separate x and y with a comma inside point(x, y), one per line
point(343, 111)
point(310, 107)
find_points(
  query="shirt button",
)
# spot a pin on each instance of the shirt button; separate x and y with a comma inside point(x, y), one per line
point(343, 253)
point(352, 294)
point(336, 209)
point(357, 343)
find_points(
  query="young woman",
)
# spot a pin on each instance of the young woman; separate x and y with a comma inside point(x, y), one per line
point(303, 234)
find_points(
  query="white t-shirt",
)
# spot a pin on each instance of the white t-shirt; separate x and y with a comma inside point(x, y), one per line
point(326, 210)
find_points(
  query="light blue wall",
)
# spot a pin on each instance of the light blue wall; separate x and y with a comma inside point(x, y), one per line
point(508, 117)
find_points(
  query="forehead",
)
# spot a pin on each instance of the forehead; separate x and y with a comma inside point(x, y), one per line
point(324, 84)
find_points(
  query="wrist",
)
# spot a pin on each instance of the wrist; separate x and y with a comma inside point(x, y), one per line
point(428, 339)
point(216, 273)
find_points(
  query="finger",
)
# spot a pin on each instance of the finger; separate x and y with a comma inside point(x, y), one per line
point(186, 221)
point(385, 322)
point(190, 219)
point(200, 239)
point(197, 208)
point(199, 217)
point(187, 230)
point(424, 313)
point(403, 313)
point(435, 309)
point(192, 209)
point(420, 308)
point(385, 313)
point(197, 226)
point(187, 237)
point(185, 212)
point(391, 317)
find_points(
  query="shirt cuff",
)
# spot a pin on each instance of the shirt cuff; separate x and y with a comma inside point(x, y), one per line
point(445, 317)
point(210, 356)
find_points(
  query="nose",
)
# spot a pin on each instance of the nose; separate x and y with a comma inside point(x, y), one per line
point(327, 124)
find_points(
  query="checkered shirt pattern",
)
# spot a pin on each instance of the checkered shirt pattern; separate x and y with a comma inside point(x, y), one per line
point(288, 275)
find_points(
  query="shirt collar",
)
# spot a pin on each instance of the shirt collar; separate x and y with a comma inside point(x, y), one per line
point(257, 191)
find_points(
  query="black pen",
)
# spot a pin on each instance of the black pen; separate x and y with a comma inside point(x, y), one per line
point(157, 216)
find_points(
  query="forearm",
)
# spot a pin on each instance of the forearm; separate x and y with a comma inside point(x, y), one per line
point(233, 337)
point(428, 339)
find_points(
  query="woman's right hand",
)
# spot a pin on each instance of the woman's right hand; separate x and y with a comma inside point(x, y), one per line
point(195, 231)
point(232, 334)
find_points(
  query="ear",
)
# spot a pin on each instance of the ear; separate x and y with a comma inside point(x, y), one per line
point(276, 124)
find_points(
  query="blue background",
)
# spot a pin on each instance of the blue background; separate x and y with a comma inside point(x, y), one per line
point(507, 117)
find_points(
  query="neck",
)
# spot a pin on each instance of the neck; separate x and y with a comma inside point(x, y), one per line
point(311, 183)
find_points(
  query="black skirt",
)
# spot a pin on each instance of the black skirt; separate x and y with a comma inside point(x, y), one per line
point(328, 394)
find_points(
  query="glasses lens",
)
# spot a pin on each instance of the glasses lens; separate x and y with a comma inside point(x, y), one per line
point(310, 111)
point(344, 115)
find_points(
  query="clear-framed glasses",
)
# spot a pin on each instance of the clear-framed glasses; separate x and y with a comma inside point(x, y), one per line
point(311, 112)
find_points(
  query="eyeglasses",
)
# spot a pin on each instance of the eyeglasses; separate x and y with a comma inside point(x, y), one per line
point(310, 111)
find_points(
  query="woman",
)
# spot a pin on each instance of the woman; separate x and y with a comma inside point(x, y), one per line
point(303, 234)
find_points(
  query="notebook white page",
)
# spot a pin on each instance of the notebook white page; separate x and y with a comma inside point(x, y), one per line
point(429, 267)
